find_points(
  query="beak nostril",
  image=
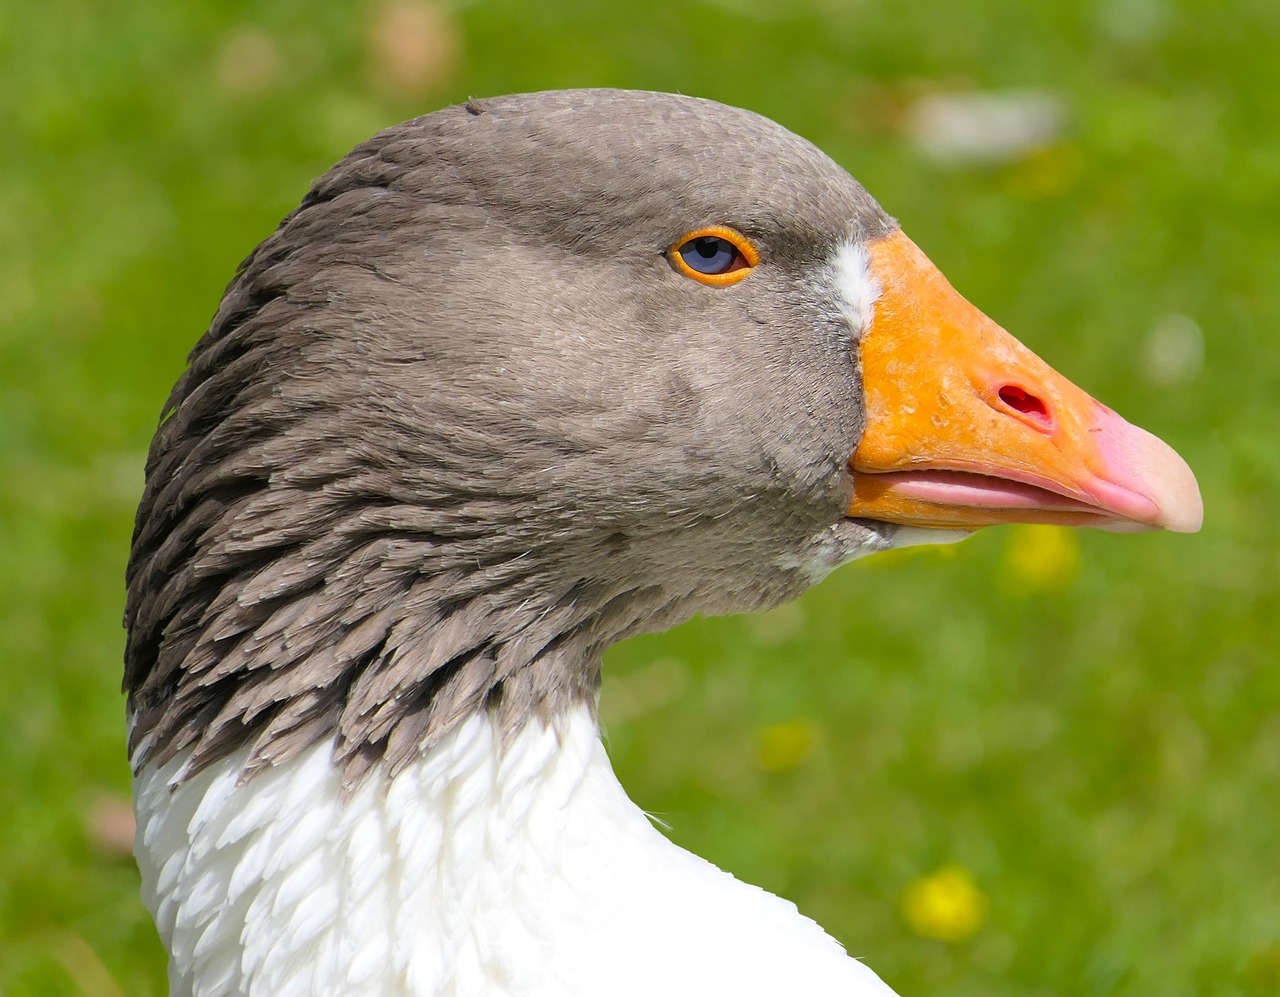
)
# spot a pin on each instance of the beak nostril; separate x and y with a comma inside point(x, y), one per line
point(1026, 404)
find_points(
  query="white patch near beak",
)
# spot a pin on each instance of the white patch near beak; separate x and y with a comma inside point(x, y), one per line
point(856, 289)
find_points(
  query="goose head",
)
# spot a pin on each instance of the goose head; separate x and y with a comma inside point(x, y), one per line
point(519, 379)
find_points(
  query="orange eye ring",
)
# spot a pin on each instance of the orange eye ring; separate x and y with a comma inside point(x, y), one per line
point(715, 255)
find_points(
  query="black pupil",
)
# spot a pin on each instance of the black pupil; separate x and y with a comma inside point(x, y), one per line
point(709, 254)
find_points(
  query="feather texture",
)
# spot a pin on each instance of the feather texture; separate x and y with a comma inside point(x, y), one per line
point(480, 869)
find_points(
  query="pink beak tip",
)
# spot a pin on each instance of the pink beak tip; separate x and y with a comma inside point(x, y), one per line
point(1162, 491)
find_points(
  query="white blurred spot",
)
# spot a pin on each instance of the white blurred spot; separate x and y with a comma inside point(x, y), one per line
point(1174, 351)
point(110, 825)
point(247, 61)
point(414, 46)
point(985, 127)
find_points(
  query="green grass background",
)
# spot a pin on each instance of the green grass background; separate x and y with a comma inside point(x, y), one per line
point(1099, 748)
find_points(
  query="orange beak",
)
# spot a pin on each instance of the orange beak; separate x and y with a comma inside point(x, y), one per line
point(966, 427)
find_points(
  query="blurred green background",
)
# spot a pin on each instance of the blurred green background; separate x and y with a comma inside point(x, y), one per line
point(1039, 763)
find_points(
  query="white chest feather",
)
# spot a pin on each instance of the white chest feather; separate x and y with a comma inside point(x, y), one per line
point(477, 871)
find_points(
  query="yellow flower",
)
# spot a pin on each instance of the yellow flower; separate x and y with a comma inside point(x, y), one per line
point(785, 746)
point(1043, 557)
point(946, 905)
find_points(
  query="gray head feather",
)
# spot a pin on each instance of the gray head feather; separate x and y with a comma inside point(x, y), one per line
point(458, 425)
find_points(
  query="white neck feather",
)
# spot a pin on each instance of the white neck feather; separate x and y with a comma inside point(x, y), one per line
point(479, 870)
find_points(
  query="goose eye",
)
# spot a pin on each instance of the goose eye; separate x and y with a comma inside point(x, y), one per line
point(709, 254)
point(716, 256)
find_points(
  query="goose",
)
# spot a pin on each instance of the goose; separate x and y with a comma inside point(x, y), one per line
point(518, 379)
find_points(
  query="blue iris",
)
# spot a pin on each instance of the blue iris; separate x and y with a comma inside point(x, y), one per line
point(709, 254)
